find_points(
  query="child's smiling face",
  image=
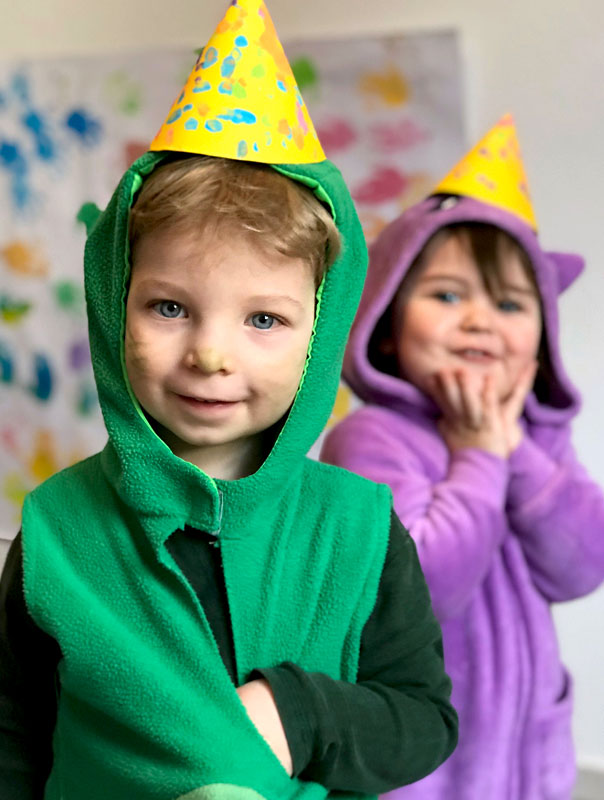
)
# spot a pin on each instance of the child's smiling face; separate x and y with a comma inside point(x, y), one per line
point(448, 320)
point(217, 334)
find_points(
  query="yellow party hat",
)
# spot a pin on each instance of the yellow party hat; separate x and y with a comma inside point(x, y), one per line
point(241, 100)
point(494, 173)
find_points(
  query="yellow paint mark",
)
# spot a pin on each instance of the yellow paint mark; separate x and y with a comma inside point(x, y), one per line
point(388, 87)
point(25, 259)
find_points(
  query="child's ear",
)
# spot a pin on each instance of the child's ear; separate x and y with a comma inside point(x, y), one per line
point(568, 267)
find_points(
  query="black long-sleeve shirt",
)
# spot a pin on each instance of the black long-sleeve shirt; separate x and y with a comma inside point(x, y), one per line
point(392, 727)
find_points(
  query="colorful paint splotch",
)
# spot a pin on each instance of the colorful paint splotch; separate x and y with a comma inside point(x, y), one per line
point(87, 128)
point(336, 135)
point(25, 258)
point(386, 183)
point(387, 87)
point(13, 311)
point(390, 137)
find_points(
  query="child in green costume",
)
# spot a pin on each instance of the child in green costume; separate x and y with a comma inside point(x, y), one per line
point(200, 610)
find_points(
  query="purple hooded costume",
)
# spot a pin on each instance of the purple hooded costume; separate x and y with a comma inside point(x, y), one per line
point(499, 540)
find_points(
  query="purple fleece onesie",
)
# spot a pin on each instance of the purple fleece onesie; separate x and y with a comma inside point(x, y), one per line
point(499, 540)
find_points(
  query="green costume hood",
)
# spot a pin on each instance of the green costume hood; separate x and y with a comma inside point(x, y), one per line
point(132, 443)
point(147, 709)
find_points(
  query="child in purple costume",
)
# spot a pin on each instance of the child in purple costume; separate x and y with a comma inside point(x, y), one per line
point(468, 412)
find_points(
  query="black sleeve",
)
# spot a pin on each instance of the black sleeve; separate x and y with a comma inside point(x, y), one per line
point(395, 724)
point(28, 692)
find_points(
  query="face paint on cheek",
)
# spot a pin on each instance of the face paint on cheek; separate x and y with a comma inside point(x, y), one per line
point(136, 352)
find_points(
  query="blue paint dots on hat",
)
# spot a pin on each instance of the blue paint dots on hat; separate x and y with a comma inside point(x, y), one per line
point(242, 149)
point(210, 57)
point(191, 125)
point(228, 67)
point(213, 125)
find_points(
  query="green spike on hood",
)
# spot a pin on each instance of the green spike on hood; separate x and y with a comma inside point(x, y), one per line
point(134, 447)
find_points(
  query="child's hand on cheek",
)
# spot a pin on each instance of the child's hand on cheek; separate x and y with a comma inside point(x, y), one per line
point(511, 407)
point(472, 416)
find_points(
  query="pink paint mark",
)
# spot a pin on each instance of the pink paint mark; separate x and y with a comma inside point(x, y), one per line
point(386, 183)
point(491, 185)
point(134, 150)
point(399, 135)
point(337, 134)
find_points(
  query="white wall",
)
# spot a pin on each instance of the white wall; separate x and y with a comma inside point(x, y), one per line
point(541, 59)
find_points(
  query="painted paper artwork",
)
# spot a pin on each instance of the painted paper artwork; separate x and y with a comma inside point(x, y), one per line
point(388, 112)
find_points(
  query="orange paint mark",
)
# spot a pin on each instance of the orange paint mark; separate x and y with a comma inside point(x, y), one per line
point(299, 138)
point(283, 127)
point(25, 259)
point(203, 109)
point(388, 87)
point(269, 40)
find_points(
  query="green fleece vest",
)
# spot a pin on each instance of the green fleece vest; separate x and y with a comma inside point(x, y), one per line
point(147, 710)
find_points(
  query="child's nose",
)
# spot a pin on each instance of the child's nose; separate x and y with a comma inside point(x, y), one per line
point(208, 360)
point(477, 316)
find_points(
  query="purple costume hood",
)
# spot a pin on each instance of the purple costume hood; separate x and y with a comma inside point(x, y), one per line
point(499, 540)
point(392, 255)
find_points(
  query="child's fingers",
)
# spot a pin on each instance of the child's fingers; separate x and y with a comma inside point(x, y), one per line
point(448, 394)
point(472, 400)
point(515, 403)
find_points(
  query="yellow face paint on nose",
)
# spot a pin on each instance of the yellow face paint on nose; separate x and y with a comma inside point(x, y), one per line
point(209, 360)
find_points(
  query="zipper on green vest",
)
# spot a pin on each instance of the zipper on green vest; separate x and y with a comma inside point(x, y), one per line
point(216, 533)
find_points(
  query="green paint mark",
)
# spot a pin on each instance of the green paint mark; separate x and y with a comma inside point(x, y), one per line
point(305, 72)
point(239, 92)
point(258, 71)
point(69, 296)
point(12, 311)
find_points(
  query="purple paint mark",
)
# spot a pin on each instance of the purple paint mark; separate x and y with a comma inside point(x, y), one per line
point(79, 355)
point(85, 126)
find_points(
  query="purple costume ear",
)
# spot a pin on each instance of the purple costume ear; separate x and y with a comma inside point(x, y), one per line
point(568, 268)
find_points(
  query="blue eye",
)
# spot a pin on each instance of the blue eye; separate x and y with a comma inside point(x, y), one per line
point(447, 297)
point(509, 306)
point(169, 309)
point(263, 322)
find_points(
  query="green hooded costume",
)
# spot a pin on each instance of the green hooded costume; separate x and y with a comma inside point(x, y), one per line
point(147, 708)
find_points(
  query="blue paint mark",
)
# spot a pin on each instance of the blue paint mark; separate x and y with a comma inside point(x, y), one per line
point(44, 144)
point(210, 57)
point(228, 67)
point(238, 116)
point(42, 386)
point(191, 125)
point(242, 149)
point(182, 94)
point(225, 88)
point(282, 86)
point(174, 116)
point(13, 160)
point(256, 150)
point(7, 371)
point(203, 87)
point(241, 41)
point(188, 107)
point(87, 400)
point(20, 87)
point(213, 126)
point(85, 126)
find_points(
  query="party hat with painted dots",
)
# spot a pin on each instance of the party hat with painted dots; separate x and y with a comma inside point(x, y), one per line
point(241, 100)
point(494, 173)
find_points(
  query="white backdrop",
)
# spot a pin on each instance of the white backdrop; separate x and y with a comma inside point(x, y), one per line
point(541, 59)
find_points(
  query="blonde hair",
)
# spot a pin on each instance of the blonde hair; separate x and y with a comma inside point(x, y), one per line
point(199, 192)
